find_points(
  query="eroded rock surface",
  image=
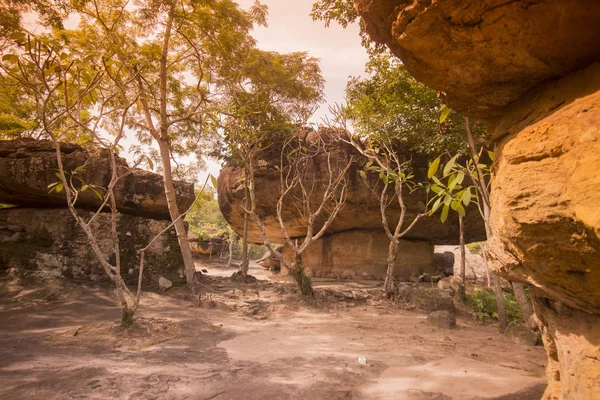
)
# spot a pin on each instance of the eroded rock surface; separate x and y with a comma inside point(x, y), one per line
point(528, 68)
point(486, 54)
point(27, 167)
point(361, 210)
point(546, 198)
point(363, 254)
point(44, 244)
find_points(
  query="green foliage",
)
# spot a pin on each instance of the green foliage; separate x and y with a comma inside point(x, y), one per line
point(391, 103)
point(205, 219)
point(475, 248)
point(344, 13)
point(483, 303)
point(274, 94)
point(448, 191)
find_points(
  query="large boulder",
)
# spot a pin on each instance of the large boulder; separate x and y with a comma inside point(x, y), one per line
point(27, 167)
point(528, 68)
point(485, 54)
point(361, 210)
point(475, 265)
point(44, 244)
point(362, 254)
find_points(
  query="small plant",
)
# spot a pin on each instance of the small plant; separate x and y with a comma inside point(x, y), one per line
point(485, 306)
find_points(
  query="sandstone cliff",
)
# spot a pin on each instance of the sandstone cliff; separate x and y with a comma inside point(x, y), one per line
point(527, 67)
point(27, 168)
point(361, 210)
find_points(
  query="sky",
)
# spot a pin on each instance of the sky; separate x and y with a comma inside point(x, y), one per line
point(290, 28)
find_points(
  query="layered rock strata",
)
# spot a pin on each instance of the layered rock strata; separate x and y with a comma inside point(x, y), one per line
point(28, 166)
point(529, 68)
point(361, 254)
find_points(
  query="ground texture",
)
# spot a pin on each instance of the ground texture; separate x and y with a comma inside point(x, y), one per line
point(249, 341)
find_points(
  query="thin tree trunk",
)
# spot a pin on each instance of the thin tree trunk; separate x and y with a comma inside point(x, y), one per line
point(391, 264)
point(232, 239)
point(522, 300)
point(182, 238)
point(487, 267)
point(502, 321)
point(463, 283)
point(245, 261)
point(304, 282)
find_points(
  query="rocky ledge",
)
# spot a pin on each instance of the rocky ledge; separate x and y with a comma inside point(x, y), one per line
point(27, 167)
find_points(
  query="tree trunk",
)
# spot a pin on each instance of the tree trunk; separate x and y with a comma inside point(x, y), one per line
point(182, 238)
point(487, 267)
point(304, 282)
point(391, 263)
point(463, 283)
point(127, 321)
point(233, 237)
point(502, 321)
point(522, 300)
point(245, 261)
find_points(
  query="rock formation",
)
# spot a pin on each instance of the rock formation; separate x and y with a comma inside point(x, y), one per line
point(44, 244)
point(27, 167)
point(530, 69)
point(362, 254)
point(356, 222)
point(40, 239)
point(475, 266)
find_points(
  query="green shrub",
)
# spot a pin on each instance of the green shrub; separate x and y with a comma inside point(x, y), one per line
point(485, 306)
point(475, 248)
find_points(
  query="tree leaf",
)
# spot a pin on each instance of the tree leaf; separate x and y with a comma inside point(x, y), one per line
point(436, 205)
point(447, 200)
point(450, 165)
point(436, 189)
point(96, 193)
point(444, 112)
point(214, 181)
point(491, 155)
point(466, 197)
point(363, 175)
point(433, 167)
point(150, 162)
point(11, 58)
point(460, 209)
point(444, 215)
point(59, 187)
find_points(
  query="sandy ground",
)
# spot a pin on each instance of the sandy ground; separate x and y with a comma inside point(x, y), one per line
point(249, 341)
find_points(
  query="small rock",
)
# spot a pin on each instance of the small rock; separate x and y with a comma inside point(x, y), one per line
point(443, 319)
point(164, 283)
point(238, 277)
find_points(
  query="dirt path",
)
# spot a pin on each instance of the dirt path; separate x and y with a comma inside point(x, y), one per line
point(255, 341)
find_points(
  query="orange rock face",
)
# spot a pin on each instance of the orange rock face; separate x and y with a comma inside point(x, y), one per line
point(362, 254)
point(485, 54)
point(528, 68)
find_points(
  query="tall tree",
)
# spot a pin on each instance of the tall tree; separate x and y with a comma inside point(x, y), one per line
point(183, 55)
point(317, 187)
point(272, 93)
point(77, 96)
